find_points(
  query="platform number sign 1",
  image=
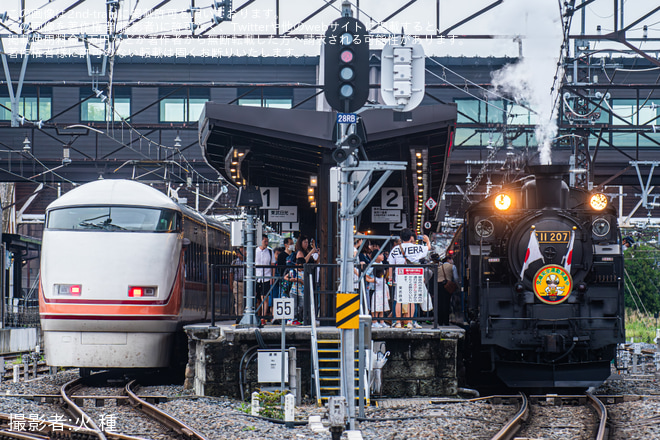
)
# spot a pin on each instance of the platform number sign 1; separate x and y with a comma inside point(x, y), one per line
point(391, 198)
point(283, 308)
point(270, 196)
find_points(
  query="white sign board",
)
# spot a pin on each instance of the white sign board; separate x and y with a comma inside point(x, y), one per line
point(283, 214)
point(385, 215)
point(391, 198)
point(402, 224)
point(430, 203)
point(283, 308)
point(270, 195)
point(409, 284)
point(288, 226)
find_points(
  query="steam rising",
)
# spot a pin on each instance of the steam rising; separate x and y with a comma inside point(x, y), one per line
point(530, 80)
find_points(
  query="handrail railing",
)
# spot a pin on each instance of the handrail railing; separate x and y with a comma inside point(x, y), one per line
point(320, 280)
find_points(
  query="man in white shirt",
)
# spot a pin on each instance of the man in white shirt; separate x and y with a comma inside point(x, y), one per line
point(408, 252)
point(263, 256)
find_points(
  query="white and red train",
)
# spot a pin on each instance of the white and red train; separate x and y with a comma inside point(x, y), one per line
point(123, 268)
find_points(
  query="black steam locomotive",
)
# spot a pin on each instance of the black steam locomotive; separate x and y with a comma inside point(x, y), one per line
point(542, 270)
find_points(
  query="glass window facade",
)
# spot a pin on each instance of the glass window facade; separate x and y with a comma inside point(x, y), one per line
point(97, 109)
point(35, 104)
point(273, 97)
point(183, 104)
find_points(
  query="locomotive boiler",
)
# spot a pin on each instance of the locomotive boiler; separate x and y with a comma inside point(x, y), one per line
point(542, 269)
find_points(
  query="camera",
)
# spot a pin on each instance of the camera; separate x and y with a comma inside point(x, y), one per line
point(420, 237)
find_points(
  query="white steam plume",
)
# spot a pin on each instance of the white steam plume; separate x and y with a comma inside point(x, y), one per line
point(531, 79)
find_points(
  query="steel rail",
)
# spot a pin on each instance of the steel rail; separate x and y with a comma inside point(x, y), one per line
point(171, 422)
point(20, 435)
point(75, 411)
point(513, 426)
point(602, 413)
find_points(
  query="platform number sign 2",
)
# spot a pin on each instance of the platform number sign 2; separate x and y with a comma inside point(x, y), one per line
point(283, 308)
point(391, 198)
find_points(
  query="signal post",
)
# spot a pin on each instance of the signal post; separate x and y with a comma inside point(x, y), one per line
point(346, 76)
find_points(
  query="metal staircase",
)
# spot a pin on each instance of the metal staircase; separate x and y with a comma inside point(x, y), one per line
point(326, 366)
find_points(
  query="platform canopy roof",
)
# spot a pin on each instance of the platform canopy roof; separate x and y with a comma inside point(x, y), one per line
point(284, 147)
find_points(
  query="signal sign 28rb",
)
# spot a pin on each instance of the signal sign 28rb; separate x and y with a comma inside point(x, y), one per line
point(346, 118)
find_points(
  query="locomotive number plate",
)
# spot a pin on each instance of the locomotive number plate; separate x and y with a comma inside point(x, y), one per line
point(553, 236)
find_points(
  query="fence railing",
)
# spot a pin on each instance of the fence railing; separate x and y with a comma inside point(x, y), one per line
point(20, 312)
point(230, 291)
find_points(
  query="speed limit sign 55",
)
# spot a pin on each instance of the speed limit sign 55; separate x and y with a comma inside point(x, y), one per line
point(283, 308)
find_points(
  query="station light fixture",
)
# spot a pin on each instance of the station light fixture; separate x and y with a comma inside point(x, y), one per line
point(313, 181)
point(233, 161)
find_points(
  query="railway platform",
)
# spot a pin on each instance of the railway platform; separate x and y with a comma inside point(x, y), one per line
point(420, 362)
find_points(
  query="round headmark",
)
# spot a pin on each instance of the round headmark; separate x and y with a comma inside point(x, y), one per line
point(552, 284)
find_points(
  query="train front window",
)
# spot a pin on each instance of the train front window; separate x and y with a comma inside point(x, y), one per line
point(114, 218)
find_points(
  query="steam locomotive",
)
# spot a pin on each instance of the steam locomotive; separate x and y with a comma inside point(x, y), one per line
point(542, 270)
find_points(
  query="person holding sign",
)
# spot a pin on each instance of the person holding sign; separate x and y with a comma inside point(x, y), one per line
point(406, 253)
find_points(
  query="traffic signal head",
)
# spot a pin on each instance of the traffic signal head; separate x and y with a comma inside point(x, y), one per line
point(346, 60)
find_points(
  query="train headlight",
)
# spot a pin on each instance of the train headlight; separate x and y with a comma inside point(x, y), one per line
point(502, 202)
point(140, 291)
point(598, 201)
point(68, 289)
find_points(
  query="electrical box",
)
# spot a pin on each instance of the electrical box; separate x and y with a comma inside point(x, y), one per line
point(335, 174)
point(270, 367)
point(237, 233)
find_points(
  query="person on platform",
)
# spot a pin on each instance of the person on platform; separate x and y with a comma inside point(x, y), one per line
point(446, 272)
point(380, 298)
point(236, 275)
point(407, 252)
point(365, 254)
point(264, 259)
point(282, 261)
point(306, 250)
point(296, 276)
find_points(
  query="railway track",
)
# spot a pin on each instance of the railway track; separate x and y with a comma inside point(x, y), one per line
point(581, 417)
point(92, 413)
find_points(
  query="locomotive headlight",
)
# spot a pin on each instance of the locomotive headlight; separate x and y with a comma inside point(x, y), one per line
point(502, 202)
point(598, 201)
